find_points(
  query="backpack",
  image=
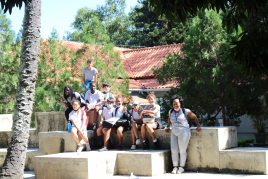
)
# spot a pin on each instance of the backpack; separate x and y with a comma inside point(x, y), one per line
point(190, 122)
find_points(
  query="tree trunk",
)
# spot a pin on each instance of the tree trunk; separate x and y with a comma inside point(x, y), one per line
point(16, 153)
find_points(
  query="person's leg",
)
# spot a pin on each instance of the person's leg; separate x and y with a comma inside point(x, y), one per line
point(106, 133)
point(183, 141)
point(75, 135)
point(150, 128)
point(119, 133)
point(133, 132)
point(143, 132)
point(174, 152)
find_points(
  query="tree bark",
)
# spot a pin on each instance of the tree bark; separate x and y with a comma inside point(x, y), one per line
point(13, 166)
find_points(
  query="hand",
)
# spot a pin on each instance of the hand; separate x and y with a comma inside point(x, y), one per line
point(167, 129)
point(198, 129)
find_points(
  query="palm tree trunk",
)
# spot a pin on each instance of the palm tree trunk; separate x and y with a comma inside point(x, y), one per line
point(13, 166)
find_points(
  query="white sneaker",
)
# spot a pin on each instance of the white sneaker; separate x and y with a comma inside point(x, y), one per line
point(88, 147)
point(175, 170)
point(180, 170)
point(80, 147)
point(138, 142)
point(103, 149)
point(133, 147)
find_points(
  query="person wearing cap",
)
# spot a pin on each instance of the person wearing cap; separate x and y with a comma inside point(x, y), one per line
point(106, 87)
point(106, 92)
point(107, 113)
point(136, 122)
point(89, 74)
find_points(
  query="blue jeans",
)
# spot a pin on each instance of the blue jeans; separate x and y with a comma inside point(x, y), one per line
point(87, 84)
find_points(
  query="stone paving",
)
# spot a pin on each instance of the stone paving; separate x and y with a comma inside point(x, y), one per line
point(186, 175)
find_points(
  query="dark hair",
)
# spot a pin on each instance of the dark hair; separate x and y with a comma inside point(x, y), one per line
point(71, 92)
point(176, 97)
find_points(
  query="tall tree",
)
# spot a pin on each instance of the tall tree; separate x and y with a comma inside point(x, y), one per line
point(151, 30)
point(13, 166)
point(251, 49)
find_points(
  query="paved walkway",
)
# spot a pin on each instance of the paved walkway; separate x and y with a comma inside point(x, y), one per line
point(186, 175)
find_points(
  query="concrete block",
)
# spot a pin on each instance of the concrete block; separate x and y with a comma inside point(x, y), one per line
point(204, 146)
point(143, 163)
point(50, 121)
point(245, 160)
point(70, 165)
point(96, 164)
point(56, 142)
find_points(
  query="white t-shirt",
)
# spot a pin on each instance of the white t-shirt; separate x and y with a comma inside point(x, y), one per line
point(94, 98)
point(178, 119)
point(153, 107)
point(107, 113)
point(77, 118)
point(118, 111)
point(90, 73)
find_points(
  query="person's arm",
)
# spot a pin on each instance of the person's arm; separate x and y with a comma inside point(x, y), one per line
point(169, 123)
point(194, 118)
point(83, 76)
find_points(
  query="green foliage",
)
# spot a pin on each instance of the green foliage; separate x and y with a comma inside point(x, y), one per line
point(151, 30)
point(209, 82)
point(245, 142)
point(53, 75)
point(9, 66)
point(249, 16)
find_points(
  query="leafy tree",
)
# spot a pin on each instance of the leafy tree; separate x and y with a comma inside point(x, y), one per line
point(251, 16)
point(209, 82)
point(108, 23)
point(89, 28)
point(13, 166)
point(9, 66)
point(53, 75)
point(151, 30)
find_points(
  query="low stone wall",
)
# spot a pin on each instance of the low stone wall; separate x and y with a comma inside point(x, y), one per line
point(50, 121)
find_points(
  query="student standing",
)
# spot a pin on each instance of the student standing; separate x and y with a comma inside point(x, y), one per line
point(180, 133)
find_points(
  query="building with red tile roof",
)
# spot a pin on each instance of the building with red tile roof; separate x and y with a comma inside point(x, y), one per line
point(139, 65)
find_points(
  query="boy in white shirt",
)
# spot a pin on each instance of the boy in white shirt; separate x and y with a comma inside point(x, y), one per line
point(94, 100)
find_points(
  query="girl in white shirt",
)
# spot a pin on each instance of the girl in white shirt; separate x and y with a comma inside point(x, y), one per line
point(79, 127)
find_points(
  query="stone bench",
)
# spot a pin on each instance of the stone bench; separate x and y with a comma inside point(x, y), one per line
point(207, 149)
point(96, 164)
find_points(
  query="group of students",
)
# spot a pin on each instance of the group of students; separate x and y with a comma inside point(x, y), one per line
point(104, 113)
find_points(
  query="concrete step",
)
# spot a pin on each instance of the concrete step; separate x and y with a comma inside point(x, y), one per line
point(31, 153)
point(245, 160)
point(96, 164)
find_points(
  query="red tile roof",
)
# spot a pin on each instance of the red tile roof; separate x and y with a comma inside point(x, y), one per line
point(139, 63)
point(149, 84)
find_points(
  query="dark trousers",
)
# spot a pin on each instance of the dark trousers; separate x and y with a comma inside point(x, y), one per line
point(67, 112)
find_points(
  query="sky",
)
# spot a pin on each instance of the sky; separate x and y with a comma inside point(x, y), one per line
point(58, 14)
